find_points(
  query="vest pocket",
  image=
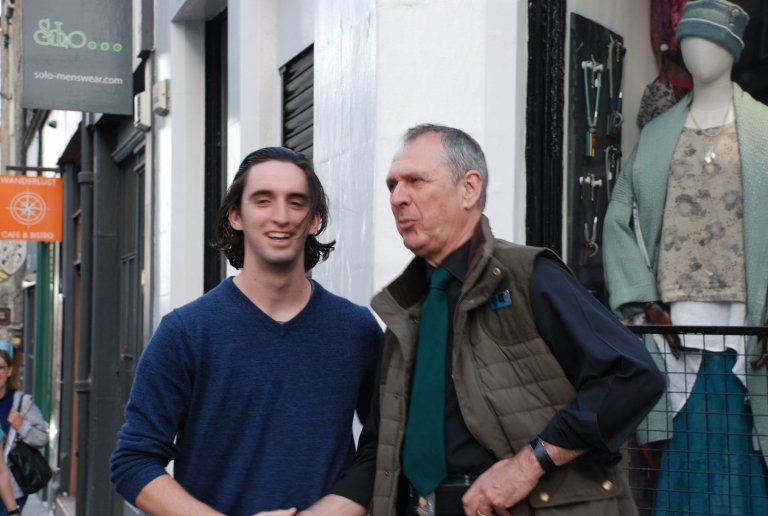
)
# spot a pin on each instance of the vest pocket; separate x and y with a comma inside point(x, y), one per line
point(580, 482)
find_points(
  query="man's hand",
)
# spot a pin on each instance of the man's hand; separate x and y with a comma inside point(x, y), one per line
point(503, 485)
point(164, 495)
point(509, 481)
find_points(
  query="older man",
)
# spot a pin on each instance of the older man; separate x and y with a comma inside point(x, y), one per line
point(534, 387)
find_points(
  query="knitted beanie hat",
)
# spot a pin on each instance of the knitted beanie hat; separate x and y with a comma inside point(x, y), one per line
point(718, 21)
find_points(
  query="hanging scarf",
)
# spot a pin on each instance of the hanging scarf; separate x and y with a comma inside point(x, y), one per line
point(665, 15)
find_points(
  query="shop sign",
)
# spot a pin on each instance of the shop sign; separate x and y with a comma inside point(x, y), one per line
point(32, 208)
point(76, 56)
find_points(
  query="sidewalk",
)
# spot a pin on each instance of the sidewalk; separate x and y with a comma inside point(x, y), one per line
point(36, 507)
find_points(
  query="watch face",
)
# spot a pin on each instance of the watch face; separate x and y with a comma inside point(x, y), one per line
point(12, 256)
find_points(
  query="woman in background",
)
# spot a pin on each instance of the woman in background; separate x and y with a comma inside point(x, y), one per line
point(19, 416)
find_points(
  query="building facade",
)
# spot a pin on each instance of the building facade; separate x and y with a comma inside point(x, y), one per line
point(338, 79)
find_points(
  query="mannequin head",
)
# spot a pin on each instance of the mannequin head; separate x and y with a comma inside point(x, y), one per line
point(706, 60)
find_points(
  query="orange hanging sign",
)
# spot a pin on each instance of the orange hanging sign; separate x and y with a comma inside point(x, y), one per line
point(31, 208)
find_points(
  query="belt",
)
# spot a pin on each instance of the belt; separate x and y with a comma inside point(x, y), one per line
point(445, 501)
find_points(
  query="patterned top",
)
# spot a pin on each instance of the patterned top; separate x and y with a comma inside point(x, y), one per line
point(701, 257)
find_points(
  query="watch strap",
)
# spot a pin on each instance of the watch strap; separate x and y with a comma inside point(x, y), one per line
point(540, 452)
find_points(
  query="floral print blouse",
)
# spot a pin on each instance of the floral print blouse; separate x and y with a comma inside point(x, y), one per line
point(702, 242)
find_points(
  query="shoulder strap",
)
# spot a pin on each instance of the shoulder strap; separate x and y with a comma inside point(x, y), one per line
point(13, 435)
point(21, 400)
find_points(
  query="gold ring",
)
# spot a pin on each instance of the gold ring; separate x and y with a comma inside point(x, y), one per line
point(480, 513)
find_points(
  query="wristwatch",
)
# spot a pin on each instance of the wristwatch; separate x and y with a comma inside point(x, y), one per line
point(540, 452)
point(15, 511)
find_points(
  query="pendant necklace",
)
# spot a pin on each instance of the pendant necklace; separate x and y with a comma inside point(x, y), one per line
point(711, 133)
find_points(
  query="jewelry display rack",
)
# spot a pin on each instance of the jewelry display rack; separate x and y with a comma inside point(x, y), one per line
point(593, 131)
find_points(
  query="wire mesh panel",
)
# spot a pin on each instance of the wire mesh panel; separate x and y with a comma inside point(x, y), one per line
point(701, 450)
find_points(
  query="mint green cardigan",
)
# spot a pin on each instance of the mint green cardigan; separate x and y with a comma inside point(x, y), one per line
point(630, 280)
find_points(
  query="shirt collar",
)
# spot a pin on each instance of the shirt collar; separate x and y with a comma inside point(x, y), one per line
point(457, 262)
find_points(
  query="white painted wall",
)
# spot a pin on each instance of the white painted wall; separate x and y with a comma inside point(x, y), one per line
point(262, 37)
point(295, 27)
point(506, 84)
point(383, 66)
point(254, 79)
point(179, 162)
point(345, 144)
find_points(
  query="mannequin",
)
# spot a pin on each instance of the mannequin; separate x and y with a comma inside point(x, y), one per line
point(694, 253)
point(710, 67)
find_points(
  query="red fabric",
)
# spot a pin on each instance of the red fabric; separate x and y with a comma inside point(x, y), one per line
point(651, 454)
point(673, 71)
point(665, 15)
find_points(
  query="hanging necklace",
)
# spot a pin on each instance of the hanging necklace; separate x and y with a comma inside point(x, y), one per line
point(616, 53)
point(711, 133)
point(593, 72)
point(612, 162)
point(590, 238)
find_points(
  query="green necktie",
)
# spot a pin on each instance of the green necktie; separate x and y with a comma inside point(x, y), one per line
point(424, 449)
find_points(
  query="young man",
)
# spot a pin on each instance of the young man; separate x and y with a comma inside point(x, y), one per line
point(251, 389)
point(542, 384)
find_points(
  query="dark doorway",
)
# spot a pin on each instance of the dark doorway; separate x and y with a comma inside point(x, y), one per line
point(214, 266)
point(544, 123)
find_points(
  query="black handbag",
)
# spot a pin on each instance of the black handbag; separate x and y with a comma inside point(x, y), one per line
point(27, 465)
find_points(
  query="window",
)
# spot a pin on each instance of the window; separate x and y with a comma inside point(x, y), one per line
point(298, 103)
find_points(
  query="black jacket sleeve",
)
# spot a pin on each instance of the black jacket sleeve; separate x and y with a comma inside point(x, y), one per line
point(616, 381)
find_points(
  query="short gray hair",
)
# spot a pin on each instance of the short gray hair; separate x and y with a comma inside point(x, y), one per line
point(462, 152)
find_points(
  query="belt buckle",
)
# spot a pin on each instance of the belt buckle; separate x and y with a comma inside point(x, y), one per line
point(425, 505)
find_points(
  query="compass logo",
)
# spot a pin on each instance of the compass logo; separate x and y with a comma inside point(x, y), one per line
point(27, 208)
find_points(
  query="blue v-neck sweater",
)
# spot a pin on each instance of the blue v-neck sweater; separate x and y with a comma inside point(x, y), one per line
point(261, 411)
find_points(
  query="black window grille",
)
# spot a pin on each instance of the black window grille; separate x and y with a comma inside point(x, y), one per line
point(298, 102)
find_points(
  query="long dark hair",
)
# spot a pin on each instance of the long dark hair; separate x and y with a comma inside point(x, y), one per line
point(230, 241)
